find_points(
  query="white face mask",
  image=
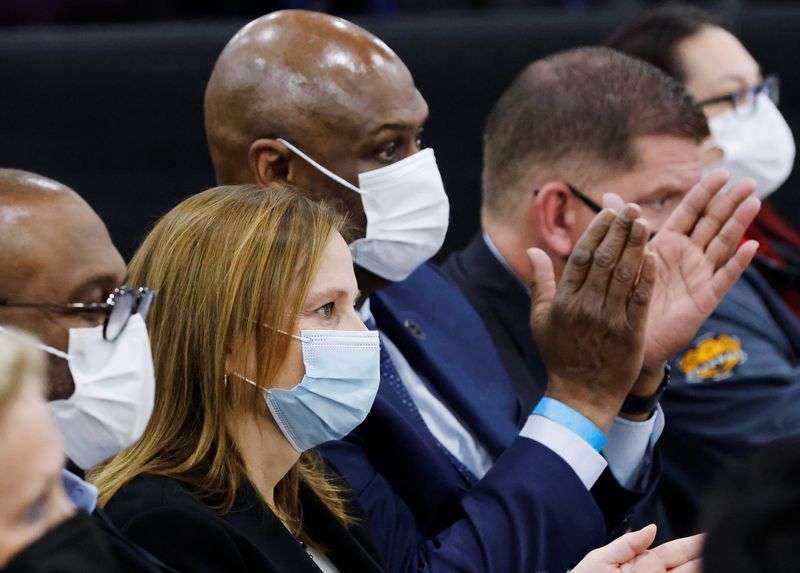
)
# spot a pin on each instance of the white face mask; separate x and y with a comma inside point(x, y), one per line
point(407, 213)
point(760, 145)
point(114, 392)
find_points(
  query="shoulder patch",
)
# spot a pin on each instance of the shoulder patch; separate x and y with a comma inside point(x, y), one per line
point(712, 358)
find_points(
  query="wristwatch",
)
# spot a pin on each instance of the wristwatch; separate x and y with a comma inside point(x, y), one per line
point(638, 405)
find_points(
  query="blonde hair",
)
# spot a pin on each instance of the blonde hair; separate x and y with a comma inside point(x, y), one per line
point(22, 366)
point(223, 262)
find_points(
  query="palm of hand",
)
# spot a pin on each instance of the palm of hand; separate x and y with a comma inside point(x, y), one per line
point(683, 296)
point(647, 562)
point(698, 259)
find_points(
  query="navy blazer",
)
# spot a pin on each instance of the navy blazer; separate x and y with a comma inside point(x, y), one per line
point(504, 305)
point(529, 513)
point(160, 515)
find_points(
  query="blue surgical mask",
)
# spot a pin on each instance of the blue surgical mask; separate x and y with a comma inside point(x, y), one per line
point(338, 389)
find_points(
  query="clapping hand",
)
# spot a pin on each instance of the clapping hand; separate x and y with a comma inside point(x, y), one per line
point(698, 259)
point(591, 328)
point(630, 554)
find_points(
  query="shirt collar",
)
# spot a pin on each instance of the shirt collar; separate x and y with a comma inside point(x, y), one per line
point(493, 249)
point(365, 313)
point(82, 494)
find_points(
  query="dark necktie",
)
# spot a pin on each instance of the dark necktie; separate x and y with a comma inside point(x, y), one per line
point(391, 378)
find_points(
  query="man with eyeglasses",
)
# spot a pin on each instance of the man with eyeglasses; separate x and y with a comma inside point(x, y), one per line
point(737, 385)
point(60, 279)
point(749, 134)
point(570, 129)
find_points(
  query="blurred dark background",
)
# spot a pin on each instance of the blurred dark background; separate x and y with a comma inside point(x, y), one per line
point(106, 95)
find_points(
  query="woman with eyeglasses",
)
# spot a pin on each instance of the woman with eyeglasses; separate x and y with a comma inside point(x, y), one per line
point(259, 357)
point(737, 385)
point(750, 137)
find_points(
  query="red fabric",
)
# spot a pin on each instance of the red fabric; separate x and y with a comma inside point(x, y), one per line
point(769, 228)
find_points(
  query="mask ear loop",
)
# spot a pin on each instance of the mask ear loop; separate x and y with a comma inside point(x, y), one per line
point(245, 378)
point(39, 345)
point(300, 338)
point(327, 172)
point(226, 376)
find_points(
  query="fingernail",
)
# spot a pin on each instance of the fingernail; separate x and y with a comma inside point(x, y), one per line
point(639, 230)
point(629, 213)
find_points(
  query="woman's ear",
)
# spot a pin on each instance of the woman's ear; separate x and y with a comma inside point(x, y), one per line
point(554, 217)
point(269, 161)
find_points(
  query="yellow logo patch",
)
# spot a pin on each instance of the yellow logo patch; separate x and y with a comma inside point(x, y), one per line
point(713, 358)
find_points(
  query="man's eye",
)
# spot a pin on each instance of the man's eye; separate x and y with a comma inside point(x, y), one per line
point(326, 309)
point(91, 316)
point(663, 203)
point(388, 152)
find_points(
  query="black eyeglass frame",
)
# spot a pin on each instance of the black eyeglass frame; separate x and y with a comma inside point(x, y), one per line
point(594, 206)
point(770, 85)
point(120, 305)
point(583, 198)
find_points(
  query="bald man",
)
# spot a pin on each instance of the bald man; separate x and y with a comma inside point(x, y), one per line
point(58, 267)
point(55, 249)
point(317, 80)
point(453, 473)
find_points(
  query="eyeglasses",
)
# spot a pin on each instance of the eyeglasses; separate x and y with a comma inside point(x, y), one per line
point(120, 305)
point(588, 202)
point(583, 198)
point(744, 100)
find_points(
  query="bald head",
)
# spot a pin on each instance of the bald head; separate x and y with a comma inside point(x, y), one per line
point(53, 249)
point(303, 76)
point(23, 198)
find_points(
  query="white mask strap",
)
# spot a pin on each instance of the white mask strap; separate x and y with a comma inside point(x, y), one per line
point(327, 172)
point(39, 345)
point(245, 378)
point(300, 338)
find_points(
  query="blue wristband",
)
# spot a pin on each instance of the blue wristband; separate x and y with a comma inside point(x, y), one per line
point(573, 420)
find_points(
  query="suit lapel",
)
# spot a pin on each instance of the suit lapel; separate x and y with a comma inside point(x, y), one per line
point(347, 548)
point(505, 305)
point(264, 530)
point(444, 340)
point(253, 520)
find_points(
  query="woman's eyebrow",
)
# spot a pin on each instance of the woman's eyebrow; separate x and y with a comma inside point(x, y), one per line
point(332, 292)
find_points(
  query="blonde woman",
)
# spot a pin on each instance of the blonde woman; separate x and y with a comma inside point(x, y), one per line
point(39, 527)
point(259, 357)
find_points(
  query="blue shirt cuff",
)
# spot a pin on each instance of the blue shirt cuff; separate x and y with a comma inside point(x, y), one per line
point(573, 420)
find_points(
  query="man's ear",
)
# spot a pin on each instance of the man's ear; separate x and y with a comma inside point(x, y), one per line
point(554, 217)
point(269, 161)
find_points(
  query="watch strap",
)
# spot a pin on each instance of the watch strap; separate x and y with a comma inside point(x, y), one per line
point(638, 405)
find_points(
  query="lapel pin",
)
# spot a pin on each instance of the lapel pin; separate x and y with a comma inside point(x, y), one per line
point(415, 329)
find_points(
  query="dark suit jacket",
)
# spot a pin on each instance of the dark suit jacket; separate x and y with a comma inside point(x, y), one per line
point(749, 398)
point(161, 516)
point(529, 513)
point(128, 557)
point(504, 305)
